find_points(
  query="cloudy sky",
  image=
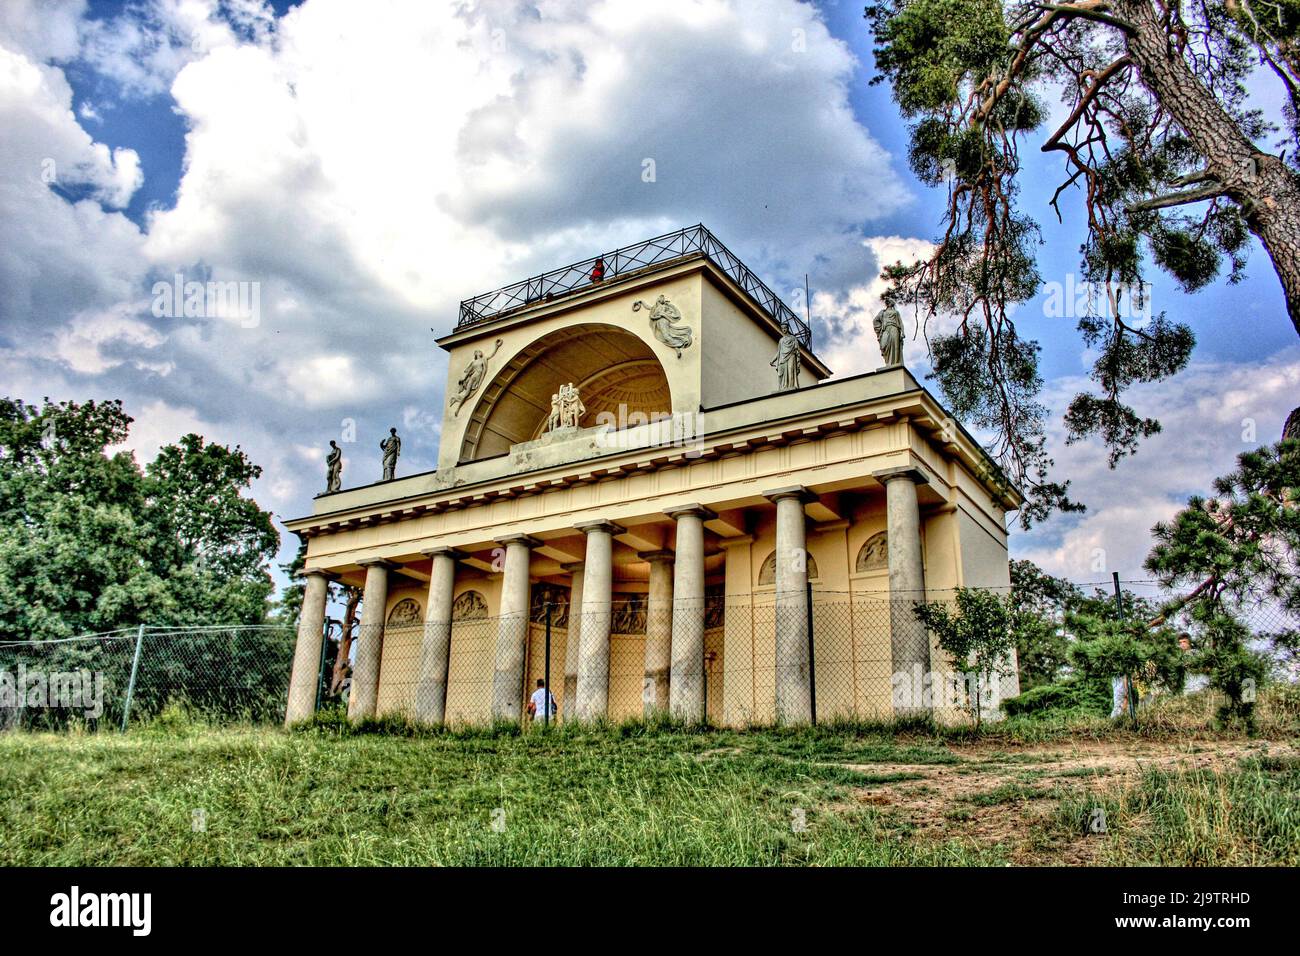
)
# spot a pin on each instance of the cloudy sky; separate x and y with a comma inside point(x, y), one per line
point(370, 164)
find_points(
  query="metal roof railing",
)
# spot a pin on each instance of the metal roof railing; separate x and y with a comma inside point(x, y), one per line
point(610, 265)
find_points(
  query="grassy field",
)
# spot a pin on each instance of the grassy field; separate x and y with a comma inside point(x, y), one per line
point(179, 792)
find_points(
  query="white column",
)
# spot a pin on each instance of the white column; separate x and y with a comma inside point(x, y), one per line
point(658, 632)
point(686, 682)
point(569, 705)
point(909, 643)
point(364, 696)
point(512, 633)
point(793, 690)
point(597, 594)
point(435, 648)
point(305, 677)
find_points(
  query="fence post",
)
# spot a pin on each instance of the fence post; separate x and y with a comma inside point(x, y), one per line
point(1129, 688)
point(812, 660)
point(130, 684)
point(546, 670)
point(704, 685)
point(320, 667)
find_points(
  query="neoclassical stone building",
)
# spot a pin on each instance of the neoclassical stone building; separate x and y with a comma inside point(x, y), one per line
point(644, 448)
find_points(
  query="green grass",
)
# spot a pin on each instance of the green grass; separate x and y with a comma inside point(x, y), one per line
point(1246, 816)
point(630, 794)
point(602, 796)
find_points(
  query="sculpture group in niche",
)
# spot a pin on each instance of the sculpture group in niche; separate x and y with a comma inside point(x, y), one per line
point(472, 377)
point(665, 320)
point(566, 409)
point(786, 362)
point(889, 333)
point(334, 468)
point(391, 447)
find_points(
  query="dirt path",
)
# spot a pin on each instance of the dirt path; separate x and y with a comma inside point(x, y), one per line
point(995, 796)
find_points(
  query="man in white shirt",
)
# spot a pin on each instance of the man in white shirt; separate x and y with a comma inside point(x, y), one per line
point(542, 702)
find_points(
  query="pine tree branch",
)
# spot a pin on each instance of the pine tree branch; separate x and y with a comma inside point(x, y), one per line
point(1180, 199)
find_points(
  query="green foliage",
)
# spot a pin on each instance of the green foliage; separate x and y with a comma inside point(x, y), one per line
point(90, 543)
point(289, 605)
point(977, 633)
point(1090, 696)
point(1242, 544)
point(1106, 647)
point(1037, 605)
point(1221, 651)
point(970, 77)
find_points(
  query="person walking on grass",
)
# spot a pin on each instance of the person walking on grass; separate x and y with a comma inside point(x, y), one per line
point(541, 703)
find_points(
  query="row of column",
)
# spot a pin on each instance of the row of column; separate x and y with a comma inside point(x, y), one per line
point(674, 670)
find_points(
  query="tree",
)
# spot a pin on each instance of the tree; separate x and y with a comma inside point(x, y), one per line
point(90, 543)
point(289, 605)
point(212, 543)
point(1161, 150)
point(1037, 605)
point(1107, 646)
point(1242, 544)
point(1240, 547)
point(976, 634)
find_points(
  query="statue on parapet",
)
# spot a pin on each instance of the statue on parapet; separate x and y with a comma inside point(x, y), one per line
point(786, 362)
point(889, 333)
point(333, 468)
point(391, 447)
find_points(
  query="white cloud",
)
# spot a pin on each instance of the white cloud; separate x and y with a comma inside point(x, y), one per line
point(1210, 413)
point(853, 347)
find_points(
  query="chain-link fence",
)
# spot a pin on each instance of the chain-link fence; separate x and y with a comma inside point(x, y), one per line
point(762, 658)
point(226, 674)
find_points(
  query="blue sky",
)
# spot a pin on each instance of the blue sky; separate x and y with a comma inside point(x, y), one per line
point(369, 165)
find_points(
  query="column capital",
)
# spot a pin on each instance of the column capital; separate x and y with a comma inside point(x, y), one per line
point(910, 472)
point(692, 510)
point(318, 573)
point(573, 567)
point(790, 491)
point(662, 555)
point(443, 550)
point(525, 539)
point(379, 563)
point(599, 524)
point(735, 541)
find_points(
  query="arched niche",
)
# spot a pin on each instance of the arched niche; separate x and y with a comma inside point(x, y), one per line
point(469, 606)
point(616, 373)
point(405, 613)
point(873, 555)
point(767, 571)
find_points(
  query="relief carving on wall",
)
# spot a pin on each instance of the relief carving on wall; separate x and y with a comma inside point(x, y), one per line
point(472, 377)
point(666, 321)
point(557, 596)
point(405, 613)
point(767, 572)
point(874, 554)
point(629, 613)
point(469, 606)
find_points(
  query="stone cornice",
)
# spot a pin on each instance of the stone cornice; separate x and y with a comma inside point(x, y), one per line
point(919, 407)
